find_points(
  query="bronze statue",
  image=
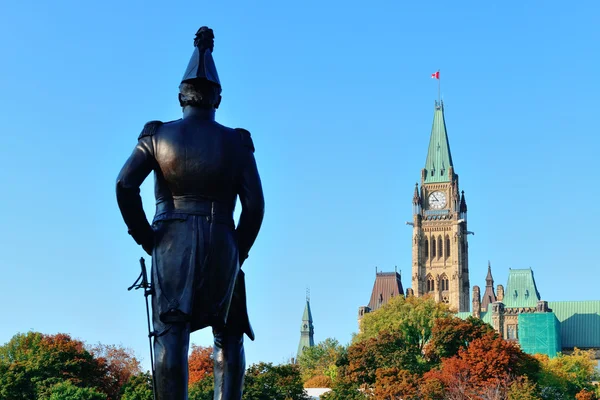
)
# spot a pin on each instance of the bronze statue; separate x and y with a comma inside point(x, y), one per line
point(200, 168)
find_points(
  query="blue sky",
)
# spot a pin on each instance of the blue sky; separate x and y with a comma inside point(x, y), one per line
point(339, 100)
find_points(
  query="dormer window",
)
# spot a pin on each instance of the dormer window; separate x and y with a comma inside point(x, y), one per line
point(515, 294)
point(526, 293)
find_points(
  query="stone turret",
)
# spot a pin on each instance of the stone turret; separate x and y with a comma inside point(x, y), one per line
point(500, 293)
point(476, 302)
point(498, 317)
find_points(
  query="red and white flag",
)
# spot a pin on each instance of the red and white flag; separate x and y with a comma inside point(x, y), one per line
point(435, 75)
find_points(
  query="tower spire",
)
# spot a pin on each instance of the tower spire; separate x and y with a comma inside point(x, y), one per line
point(307, 329)
point(488, 296)
point(439, 158)
point(489, 281)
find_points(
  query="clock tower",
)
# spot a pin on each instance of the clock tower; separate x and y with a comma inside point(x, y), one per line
point(440, 251)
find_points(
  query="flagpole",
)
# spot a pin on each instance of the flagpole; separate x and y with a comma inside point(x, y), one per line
point(439, 88)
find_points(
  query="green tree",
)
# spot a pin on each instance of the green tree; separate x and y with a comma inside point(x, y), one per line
point(320, 360)
point(202, 389)
point(274, 382)
point(523, 389)
point(67, 391)
point(413, 317)
point(388, 350)
point(32, 363)
point(344, 390)
point(567, 375)
point(451, 334)
point(138, 387)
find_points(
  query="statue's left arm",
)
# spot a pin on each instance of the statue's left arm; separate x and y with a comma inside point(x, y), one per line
point(134, 172)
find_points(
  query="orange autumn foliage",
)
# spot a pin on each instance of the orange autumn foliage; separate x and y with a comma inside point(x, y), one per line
point(200, 363)
point(318, 381)
point(120, 365)
point(394, 383)
point(488, 362)
point(585, 395)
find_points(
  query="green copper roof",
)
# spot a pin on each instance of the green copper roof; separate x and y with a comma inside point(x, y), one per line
point(521, 290)
point(579, 322)
point(439, 158)
point(307, 316)
point(486, 316)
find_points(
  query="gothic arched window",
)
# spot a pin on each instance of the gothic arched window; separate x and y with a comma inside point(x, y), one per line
point(444, 283)
point(426, 248)
point(447, 246)
point(433, 247)
point(430, 283)
point(440, 247)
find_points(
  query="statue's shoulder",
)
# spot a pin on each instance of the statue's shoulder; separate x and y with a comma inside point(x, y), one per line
point(152, 127)
point(246, 138)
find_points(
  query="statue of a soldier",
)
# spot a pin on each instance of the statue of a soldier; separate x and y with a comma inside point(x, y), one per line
point(200, 168)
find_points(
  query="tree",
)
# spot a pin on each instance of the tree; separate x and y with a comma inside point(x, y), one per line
point(413, 317)
point(202, 389)
point(523, 389)
point(200, 363)
point(138, 387)
point(32, 363)
point(451, 334)
point(586, 395)
point(388, 350)
point(568, 374)
point(67, 391)
point(394, 383)
point(121, 364)
point(276, 382)
point(318, 381)
point(488, 362)
point(343, 390)
point(320, 359)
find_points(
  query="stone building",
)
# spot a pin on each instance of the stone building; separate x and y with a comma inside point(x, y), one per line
point(440, 268)
point(440, 250)
point(520, 314)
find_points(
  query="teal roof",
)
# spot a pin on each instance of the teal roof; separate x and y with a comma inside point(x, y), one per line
point(307, 316)
point(439, 158)
point(485, 316)
point(579, 322)
point(521, 290)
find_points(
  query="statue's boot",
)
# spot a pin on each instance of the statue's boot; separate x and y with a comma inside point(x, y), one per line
point(230, 365)
point(171, 362)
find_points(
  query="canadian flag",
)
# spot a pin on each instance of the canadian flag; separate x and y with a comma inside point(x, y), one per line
point(435, 75)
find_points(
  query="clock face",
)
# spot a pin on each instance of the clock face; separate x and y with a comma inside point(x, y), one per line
point(437, 200)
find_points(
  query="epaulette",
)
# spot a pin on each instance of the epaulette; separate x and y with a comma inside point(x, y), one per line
point(246, 138)
point(150, 129)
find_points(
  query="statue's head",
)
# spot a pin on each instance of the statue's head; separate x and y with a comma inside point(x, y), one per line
point(200, 85)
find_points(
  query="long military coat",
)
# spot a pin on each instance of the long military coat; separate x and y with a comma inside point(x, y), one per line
point(200, 168)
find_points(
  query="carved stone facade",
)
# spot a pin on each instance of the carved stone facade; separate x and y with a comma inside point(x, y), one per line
point(440, 250)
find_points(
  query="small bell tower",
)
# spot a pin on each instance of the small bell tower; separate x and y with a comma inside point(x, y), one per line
point(307, 329)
